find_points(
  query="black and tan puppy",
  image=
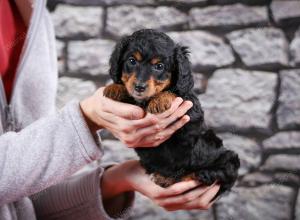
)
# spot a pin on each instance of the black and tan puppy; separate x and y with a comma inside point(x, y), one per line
point(150, 70)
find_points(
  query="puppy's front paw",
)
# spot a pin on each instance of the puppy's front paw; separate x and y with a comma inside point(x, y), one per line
point(116, 92)
point(161, 102)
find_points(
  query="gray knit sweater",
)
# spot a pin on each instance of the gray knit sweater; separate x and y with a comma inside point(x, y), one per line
point(39, 147)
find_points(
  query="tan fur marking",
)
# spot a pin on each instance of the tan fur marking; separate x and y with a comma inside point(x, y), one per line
point(154, 87)
point(191, 176)
point(166, 182)
point(161, 180)
point(116, 92)
point(161, 102)
point(128, 80)
point(161, 85)
point(125, 77)
point(155, 61)
point(138, 56)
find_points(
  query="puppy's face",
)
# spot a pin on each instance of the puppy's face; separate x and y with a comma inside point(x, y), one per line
point(146, 65)
point(146, 73)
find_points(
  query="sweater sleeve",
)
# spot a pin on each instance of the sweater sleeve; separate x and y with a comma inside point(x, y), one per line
point(44, 153)
point(78, 198)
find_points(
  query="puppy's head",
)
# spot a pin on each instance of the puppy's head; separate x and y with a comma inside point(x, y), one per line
point(148, 62)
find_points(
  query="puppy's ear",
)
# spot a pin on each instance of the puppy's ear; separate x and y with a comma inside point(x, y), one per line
point(115, 60)
point(183, 74)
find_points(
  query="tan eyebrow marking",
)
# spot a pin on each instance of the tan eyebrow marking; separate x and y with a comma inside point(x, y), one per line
point(137, 55)
point(155, 61)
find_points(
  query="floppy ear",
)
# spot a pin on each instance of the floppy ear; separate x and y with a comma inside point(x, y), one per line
point(183, 74)
point(115, 60)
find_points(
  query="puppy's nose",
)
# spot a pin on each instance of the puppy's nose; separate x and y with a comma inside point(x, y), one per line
point(140, 87)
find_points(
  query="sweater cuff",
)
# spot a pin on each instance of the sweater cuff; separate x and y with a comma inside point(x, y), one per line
point(128, 197)
point(77, 198)
point(90, 146)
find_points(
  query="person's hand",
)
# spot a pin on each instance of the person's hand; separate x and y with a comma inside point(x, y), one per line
point(130, 176)
point(128, 122)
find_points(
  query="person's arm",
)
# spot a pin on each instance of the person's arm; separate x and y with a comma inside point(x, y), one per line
point(44, 153)
point(130, 176)
point(65, 200)
point(109, 194)
point(80, 198)
point(56, 146)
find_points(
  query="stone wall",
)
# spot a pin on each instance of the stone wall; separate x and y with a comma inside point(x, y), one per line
point(246, 63)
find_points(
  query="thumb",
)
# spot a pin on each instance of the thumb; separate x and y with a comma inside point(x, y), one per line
point(120, 109)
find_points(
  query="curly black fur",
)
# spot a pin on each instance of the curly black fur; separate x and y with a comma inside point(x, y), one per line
point(193, 148)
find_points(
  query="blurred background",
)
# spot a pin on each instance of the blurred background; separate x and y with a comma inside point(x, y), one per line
point(246, 64)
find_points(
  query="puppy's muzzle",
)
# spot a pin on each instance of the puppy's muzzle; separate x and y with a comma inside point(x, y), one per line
point(140, 87)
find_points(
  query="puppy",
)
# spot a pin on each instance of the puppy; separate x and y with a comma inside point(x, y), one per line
point(150, 70)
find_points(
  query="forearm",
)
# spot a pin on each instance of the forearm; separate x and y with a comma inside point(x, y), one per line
point(79, 195)
point(44, 153)
point(115, 189)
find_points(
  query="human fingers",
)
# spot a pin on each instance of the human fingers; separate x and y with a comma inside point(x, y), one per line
point(120, 109)
point(183, 198)
point(179, 188)
point(142, 134)
point(175, 104)
point(116, 123)
point(156, 138)
point(155, 192)
point(181, 111)
point(124, 125)
point(110, 118)
point(145, 122)
point(167, 133)
point(202, 203)
point(152, 136)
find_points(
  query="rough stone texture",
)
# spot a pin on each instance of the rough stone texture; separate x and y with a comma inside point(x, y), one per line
point(248, 150)
point(70, 22)
point(235, 105)
point(258, 178)
point(239, 101)
point(124, 20)
point(207, 51)
point(286, 12)
point(131, 2)
point(288, 112)
point(298, 208)
point(183, 2)
point(227, 17)
point(295, 49)
point(282, 162)
point(89, 57)
point(260, 47)
point(61, 59)
point(73, 89)
point(283, 140)
point(104, 2)
point(255, 178)
point(267, 202)
point(248, 2)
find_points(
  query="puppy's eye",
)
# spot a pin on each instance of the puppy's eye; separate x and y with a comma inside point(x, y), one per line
point(159, 66)
point(132, 61)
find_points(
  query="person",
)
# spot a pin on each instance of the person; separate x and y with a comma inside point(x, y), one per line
point(40, 148)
